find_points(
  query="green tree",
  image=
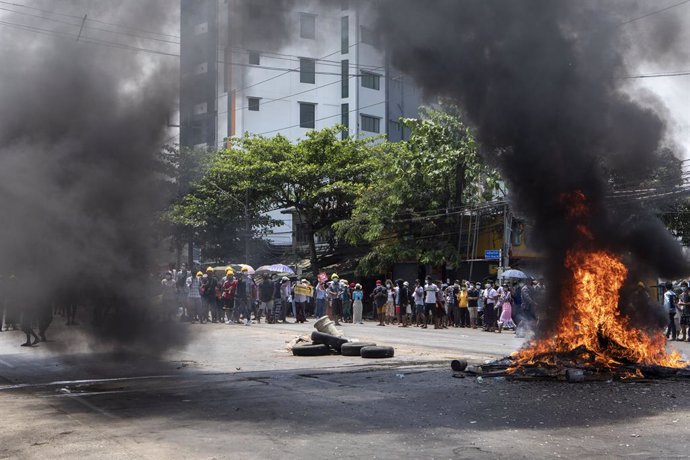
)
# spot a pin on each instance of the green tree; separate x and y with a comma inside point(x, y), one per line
point(225, 210)
point(179, 169)
point(409, 208)
point(319, 176)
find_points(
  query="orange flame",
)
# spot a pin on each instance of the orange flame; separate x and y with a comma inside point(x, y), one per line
point(592, 325)
point(591, 329)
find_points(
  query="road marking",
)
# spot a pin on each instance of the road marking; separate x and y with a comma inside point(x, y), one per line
point(72, 382)
point(5, 363)
point(88, 405)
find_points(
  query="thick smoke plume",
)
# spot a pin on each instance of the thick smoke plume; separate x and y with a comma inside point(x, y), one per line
point(81, 124)
point(542, 81)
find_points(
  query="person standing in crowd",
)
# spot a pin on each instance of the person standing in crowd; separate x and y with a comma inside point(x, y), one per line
point(243, 297)
point(28, 313)
point(347, 301)
point(472, 303)
point(463, 306)
point(169, 297)
point(357, 304)
point(451, 298)
point(430, 291)
point(181, 291)
point(506, 319)
point(670, 301)
point(228, 295)
point(418, 295)
point(527, 307)
point(335, 292)
point(320, 295)
point(490, 305)
point(481, 303)
point(403, 299)
point(194, 296)
point(209, 296)
point(300, 301)
point(285, 298)
point(390, 302)
point(266, 294)
point(684, 310)
point(380, 296)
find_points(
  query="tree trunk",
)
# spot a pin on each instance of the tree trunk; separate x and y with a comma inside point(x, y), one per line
point(311, 234)
point(190, 253)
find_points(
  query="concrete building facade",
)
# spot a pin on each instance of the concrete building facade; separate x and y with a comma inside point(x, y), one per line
point(325, 68)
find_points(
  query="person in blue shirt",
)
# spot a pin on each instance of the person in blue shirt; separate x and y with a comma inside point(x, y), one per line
point(357, 304)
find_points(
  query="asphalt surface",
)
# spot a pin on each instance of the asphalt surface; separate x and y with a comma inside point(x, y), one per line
point(236, 392)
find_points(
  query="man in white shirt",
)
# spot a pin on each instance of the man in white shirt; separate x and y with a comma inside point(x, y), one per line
point(490, 308)
point(430, 297)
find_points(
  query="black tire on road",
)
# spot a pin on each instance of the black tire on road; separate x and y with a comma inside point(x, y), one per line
point(328, 339)
point(458, 365)
point(354, 348)
point(377, 352)
point(311, 350)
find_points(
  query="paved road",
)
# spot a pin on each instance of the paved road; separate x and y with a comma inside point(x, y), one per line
point(235, 392)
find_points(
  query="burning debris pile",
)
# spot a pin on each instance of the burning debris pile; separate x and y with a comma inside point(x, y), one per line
point(592, 334)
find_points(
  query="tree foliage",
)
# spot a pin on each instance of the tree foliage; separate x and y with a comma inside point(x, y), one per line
point(319, 177)
point(409, 210)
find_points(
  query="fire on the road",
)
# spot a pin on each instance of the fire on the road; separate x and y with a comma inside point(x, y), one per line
point(592, 330)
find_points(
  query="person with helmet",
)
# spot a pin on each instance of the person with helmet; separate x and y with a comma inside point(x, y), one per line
point(194, 296)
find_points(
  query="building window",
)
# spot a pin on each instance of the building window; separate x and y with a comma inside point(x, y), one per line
point(200, 29)
point(345, 119)
point(307, 26)
point(371, 80)
point(254, 58)
point(344, 35)
point(371, 124)
point(201, 68)
point(368, 36)
point(307, 69)
point(345, 78)
point(307, 115)
point(253, 103)
point(201, 108)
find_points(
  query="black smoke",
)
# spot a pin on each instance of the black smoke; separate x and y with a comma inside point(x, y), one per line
point(543, 83)
point(81, 124)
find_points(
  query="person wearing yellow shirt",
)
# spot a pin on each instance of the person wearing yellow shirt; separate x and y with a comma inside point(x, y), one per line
point(463, 319)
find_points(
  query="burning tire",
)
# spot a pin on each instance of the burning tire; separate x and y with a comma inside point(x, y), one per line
point(354, 348)
point(326, 339)
point(311, 350)
point(377, 352)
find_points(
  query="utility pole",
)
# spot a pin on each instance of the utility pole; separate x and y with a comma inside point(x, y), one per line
point(247, 226)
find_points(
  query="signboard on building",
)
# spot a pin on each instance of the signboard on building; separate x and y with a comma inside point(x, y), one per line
point(492, 254)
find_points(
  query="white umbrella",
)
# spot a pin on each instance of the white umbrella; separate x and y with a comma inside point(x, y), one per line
point(275, 268)
point(517, 274)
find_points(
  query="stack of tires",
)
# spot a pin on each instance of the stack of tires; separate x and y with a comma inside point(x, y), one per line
point(324, 344)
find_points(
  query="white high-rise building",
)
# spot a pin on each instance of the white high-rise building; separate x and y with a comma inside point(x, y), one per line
point(328, 69)
point(323, 67)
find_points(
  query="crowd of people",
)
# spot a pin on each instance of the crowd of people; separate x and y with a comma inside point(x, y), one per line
point(241, 298)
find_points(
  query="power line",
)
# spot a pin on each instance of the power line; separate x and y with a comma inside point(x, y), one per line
point(653, 13)
point(56, 13)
